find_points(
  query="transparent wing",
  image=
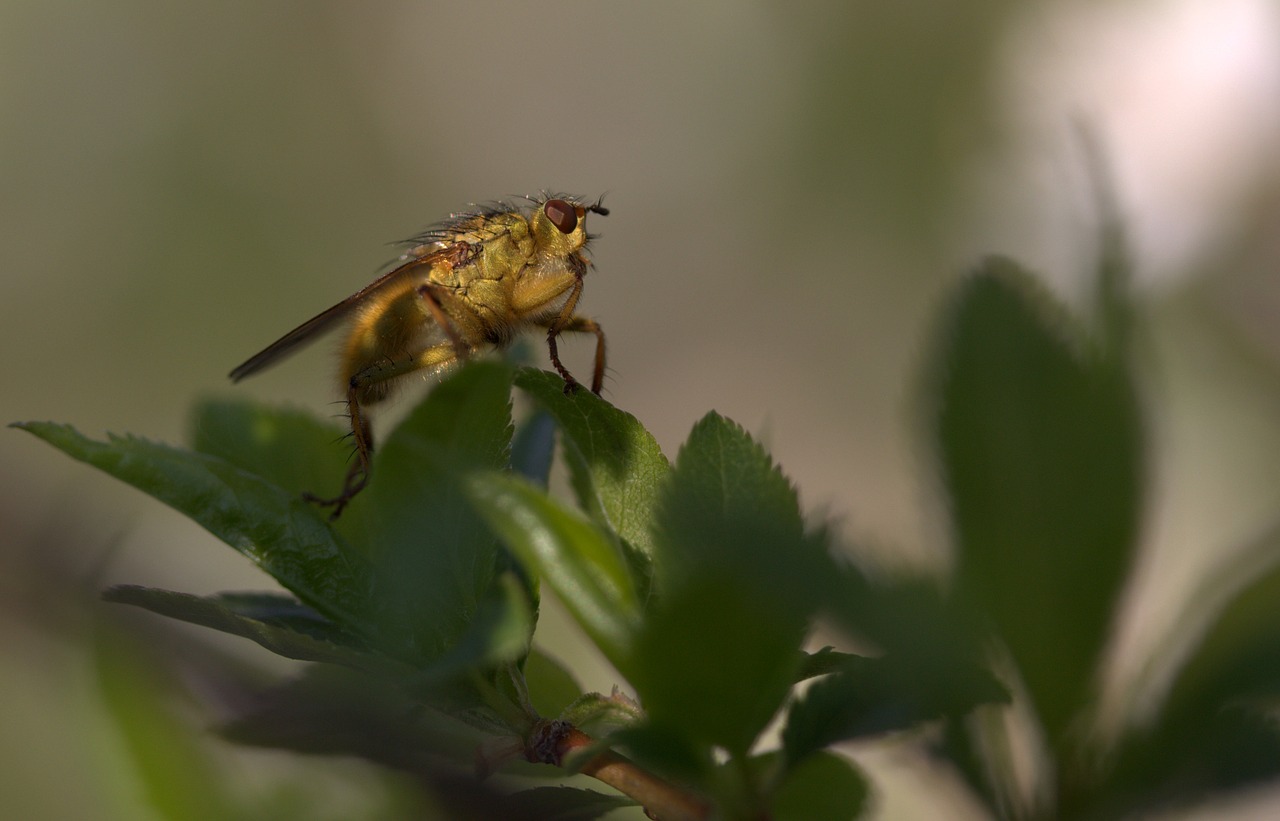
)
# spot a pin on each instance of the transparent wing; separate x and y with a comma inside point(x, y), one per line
point(312, 328)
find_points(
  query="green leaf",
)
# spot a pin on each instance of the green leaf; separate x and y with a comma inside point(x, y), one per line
point(178, 776)
point(1041, 450)
point(569, 552)
point(1183, 763)
point(498, 634)
point(565, 804)
point(274, 609)
point(551, 687)
point(874, 696)
point(827, 660)
point(534, 448)
point(330, 711)
point(1239, 656)
point(825, 787)
point(615, 465)
point(289, 448)
point(667, 751)
point(719, 652)
point(274, 528)
point(319, 642)
point(1216, 730)
point(436, 559)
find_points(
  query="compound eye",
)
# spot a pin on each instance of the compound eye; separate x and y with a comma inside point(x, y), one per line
point(562, 215)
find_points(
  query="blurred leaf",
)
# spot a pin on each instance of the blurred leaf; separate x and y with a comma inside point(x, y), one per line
point(1182, 763)
point(1239, 657)
point(275, 609)
point(552, 688)
point(824, 787)
point(320, 642)
point(615, 465)
point(1112, 313)
point(909, 618)
point(272, 527)
point(571, 553)
point(498, 634)
point(874, 696)
point(329, 711)
point(287, 447)
point(534, 448)
point(827, 660)
point(179, 779)
point(1217, 729)
point(1041, 450)
point(718, 654)
point(566, 803)
point(436, 560)
point(666, 751)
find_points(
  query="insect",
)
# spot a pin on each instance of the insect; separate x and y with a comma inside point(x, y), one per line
point(473, 281)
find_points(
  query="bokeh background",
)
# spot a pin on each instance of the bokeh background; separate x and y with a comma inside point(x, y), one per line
point(794, 188)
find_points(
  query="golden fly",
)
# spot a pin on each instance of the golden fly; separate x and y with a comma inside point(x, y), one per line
point(474, 281)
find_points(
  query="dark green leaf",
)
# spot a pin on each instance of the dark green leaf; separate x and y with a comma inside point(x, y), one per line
point(902, 614)
point(615, 465)
point(534, 448)
point(178, 777)
point(1217, 730)
point(1041, 448)
point(551, 687)
point(436, 559)
point(569, 552)
point(1183, 763)
point(274, 528)
point(287, 447)
point(566, 803)
point(874, 696)
point(1239, 657)
point(274, 609)
point(498, 634)
point(825, 787)
point(666, 751)
point(827, 660)
point(329, 711)
point(718, 654)
point(319, 642)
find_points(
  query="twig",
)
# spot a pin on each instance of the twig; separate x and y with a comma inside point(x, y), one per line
point(551, 742)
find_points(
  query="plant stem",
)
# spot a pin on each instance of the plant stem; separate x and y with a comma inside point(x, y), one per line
point(551, 742)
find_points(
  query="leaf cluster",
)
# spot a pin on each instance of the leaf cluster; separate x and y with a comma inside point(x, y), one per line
point(697, 580)
point(700, 582)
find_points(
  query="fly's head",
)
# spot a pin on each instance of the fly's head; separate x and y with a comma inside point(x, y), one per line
point(558, 225)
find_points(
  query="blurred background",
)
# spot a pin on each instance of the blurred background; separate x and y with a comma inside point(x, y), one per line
point(793, 190)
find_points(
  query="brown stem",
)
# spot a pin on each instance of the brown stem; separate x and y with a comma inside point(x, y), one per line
point(551, 742)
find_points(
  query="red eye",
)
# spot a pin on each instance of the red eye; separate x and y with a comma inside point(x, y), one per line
point(562, 215)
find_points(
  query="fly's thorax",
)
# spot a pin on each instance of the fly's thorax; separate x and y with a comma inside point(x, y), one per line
point(499, 258)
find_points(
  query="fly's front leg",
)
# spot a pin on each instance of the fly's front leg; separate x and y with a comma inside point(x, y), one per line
point(578, 324)
point(566, 321)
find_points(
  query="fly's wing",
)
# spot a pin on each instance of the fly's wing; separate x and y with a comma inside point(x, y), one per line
point(309, 330)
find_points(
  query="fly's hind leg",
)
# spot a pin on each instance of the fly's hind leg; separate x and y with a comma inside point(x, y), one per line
point(358, 474)
point(578, 324)
point(363, 385)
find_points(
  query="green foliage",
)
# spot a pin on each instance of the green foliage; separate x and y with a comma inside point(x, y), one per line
point(1041, 449)
point(700, 581)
